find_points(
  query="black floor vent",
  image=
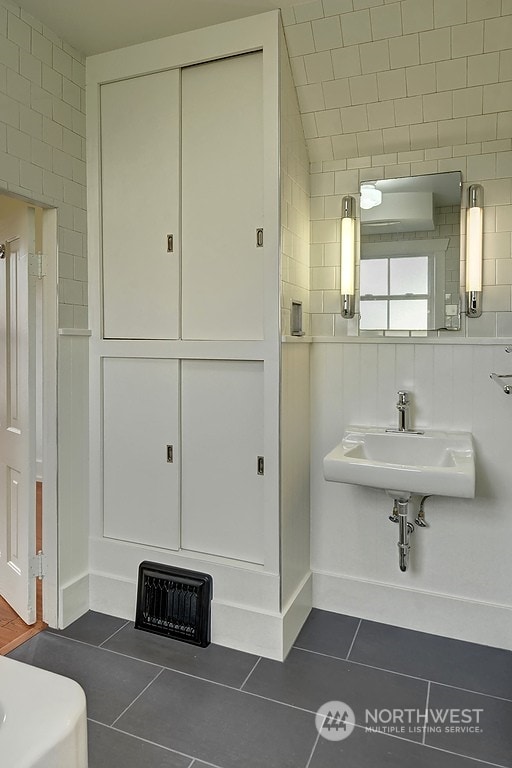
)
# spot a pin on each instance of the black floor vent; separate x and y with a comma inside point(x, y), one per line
point(174, 602)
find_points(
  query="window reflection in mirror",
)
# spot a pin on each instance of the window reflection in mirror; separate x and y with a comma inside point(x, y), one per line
point(410, 248)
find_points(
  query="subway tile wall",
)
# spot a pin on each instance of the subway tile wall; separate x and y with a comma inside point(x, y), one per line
point(390, 89)
point(295, 213)
point(42, 141)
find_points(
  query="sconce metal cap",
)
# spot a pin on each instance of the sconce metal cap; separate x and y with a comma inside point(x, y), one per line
point(476, 196)
point(347, 207)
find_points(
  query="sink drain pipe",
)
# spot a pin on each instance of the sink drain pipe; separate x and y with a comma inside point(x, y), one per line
point(404, 530)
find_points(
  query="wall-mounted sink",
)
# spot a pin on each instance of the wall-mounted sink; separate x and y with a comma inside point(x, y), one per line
point(434, 462)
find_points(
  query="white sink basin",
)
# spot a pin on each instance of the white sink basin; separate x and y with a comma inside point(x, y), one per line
point(435, 462)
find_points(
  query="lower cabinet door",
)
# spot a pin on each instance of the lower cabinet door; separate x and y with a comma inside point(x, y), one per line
point(140, 451)
point(222, 452)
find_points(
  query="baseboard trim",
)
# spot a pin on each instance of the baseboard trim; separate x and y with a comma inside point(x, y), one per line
point(456, 617)
point(73, 600)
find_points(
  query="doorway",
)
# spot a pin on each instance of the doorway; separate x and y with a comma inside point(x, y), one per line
point(28, 400)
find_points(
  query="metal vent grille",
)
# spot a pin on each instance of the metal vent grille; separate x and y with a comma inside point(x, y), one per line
point(174, 602)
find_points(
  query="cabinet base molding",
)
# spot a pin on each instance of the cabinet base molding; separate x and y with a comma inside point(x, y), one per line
point(263, 633)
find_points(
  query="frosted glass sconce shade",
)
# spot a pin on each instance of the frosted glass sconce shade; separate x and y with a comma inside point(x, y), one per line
point(348, 253)
point(474, 250)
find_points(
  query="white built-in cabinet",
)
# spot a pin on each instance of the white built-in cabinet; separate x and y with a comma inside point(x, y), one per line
point(217, 460)
point(201, 280)
point(183, 207)
point(201, 277)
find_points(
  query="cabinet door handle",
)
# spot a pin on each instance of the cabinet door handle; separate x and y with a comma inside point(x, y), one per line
point(170, 454)
point(170, 243)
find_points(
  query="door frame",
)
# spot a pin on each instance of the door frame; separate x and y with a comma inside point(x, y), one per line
point(49, 405)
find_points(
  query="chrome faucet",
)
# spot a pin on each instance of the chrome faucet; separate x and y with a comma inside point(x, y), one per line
point(403, 411)
point(403, 415)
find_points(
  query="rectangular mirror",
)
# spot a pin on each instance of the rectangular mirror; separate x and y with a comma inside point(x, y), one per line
point(409, 276)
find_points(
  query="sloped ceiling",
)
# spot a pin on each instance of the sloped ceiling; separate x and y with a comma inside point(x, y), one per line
point(94, 26)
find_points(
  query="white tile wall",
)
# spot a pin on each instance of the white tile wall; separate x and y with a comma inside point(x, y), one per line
point(426, 77)
point(42, 140)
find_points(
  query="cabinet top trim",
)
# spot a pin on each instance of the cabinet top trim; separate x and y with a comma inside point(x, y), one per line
point(188, 48)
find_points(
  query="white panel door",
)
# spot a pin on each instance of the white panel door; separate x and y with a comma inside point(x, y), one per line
point(18, 418)
point(140, 206)
point(140, 421)
point(222, 188)
point(222, 438)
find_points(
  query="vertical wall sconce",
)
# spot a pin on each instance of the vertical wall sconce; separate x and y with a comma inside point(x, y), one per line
point(474, 250)
point(348, 253)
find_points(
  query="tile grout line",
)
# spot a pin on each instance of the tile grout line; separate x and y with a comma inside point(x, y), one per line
point(426, 714)
point(437, 749)
point(197, 677)
point(162, 746)
point(480, 761)
point(146, 741)
point(467, 757)
point(403, 674)
point(138, 696)
point(113, 634)
point(313, 750)
point(214, 765)
point(303, 650)
point(353, 640)
point(470, 690)
point(250, 673)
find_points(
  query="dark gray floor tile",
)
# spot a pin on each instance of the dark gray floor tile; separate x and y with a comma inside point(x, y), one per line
point(492, 742)
point(220, 725)
point(453, 662)
point(307, 680)
point(109, 748)
point(110, 681)
point(375, 750)
point(326, 632)
point(215, 662)
point(92, 627)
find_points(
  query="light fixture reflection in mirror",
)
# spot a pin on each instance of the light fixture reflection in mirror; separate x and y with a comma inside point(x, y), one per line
point(410, 255)
point(370, 196)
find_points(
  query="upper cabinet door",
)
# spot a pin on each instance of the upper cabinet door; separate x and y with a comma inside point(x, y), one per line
point(140, 206)
point(222, 204)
